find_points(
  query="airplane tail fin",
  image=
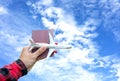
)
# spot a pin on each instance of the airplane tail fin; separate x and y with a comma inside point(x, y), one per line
point(31, 41)
point(31, 44)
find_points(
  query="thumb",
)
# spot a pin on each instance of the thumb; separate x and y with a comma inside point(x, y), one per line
point(40, 51)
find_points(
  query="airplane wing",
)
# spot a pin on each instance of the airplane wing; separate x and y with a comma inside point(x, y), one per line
point(50, 53)
point(51, 42)
point(51, 39)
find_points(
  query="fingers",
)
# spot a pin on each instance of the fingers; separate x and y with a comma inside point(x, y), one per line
point(40, 51)
point(43, 55)
point(26, 48)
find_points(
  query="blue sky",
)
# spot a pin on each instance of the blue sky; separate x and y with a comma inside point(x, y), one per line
point(92, 27)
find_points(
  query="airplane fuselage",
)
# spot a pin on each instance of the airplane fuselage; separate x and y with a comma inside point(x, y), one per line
point(52, 46)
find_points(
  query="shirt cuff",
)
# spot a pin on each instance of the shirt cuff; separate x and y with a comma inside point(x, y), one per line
point(23, 67)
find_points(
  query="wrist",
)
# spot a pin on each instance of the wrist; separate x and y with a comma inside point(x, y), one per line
point(22, 66)
point(28, 64)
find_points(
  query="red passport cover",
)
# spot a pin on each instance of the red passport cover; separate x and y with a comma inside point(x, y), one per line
point(41, 36)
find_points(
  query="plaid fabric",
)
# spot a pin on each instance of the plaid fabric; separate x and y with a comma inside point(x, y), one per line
point(13, 72)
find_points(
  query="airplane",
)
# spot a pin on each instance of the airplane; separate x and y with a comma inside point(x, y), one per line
point(52, 46)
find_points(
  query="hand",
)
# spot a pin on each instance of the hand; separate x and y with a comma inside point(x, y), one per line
point(29, 58)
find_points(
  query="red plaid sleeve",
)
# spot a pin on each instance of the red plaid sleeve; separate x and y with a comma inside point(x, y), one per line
point(13, 72)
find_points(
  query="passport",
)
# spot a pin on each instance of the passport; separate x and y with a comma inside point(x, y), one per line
point(42, 36)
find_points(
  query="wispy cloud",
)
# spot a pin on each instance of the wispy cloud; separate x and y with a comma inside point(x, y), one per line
point(116, 70)
point(3, 10)
point(69, 63)
point(85, 51)
point(111, 19)
point(13, 34)
point(83, 62)
point(116, 32)
point(111, 15)
point(11, 41)
point(79, 63)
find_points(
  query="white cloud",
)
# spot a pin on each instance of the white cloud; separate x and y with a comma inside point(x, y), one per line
point(12, 38)
point(116, 67)
point(71, 31)
point(10, 41)
point(69, 63)
point(82, 53)
point(117, 34)
point(111, 15)
point(3, 10)
point(113, 5)
point(116, 70)
point(62, 70)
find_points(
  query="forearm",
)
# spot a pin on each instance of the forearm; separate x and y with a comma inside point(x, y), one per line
point(13, 71)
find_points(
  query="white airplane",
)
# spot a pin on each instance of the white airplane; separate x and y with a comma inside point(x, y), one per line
point(52, 46)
